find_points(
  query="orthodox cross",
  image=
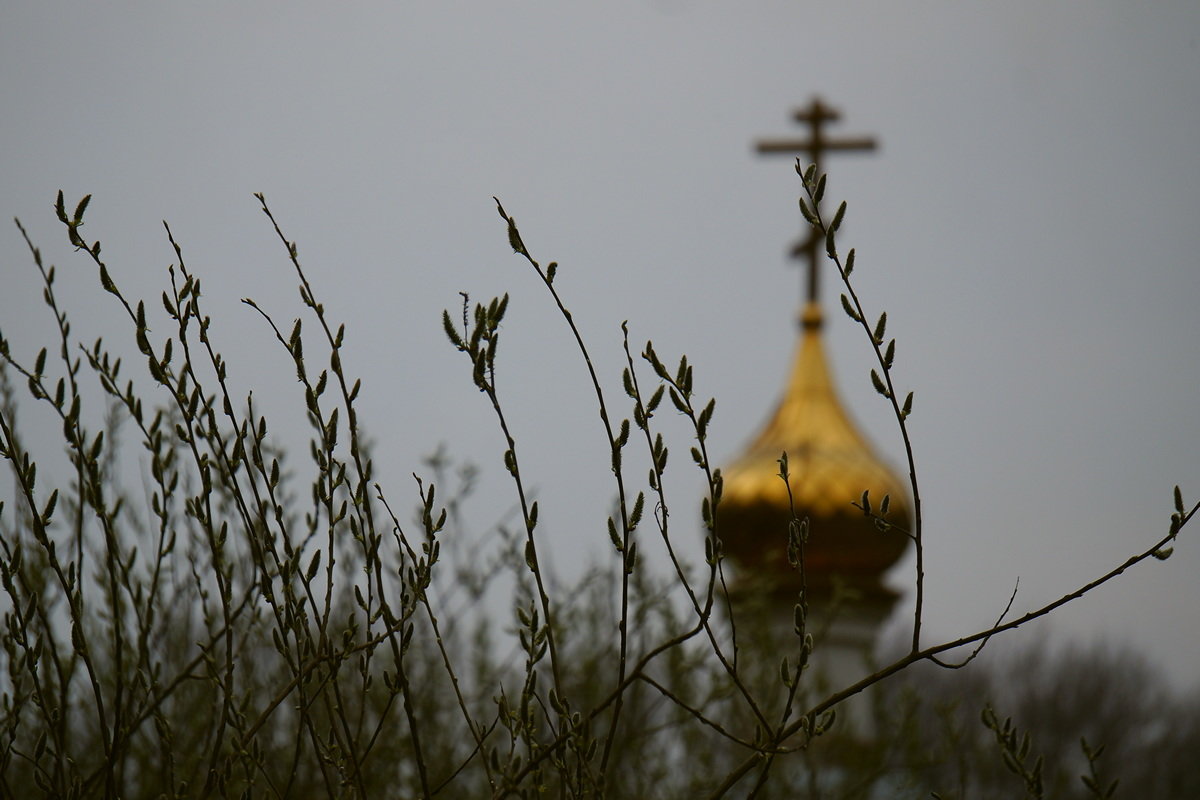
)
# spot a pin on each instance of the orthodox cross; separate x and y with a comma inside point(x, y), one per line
point(815, 116)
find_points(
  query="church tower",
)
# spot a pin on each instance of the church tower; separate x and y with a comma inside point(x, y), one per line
point(830, 465)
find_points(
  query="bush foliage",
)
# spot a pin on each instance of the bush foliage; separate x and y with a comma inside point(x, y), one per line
point(265, 619)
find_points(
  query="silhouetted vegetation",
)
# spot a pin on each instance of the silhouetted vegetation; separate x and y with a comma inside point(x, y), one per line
point(262, 618)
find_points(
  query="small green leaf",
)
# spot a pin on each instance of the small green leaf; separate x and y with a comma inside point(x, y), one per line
point(451, 333)
point(904, 412)
point(705, 418)
point(880, 327)
point(79, 209)
point(514, 236)
point(849, 266)
point(807, 213)
point(97, 446)
point(660, 454)
point(155, 370)
point(612, 535)
point(48, 511)
point(1178, 494)
point(331, 430)
point(295, 343)
point(877, 382)
point(678, 401)
point(655, 399)
point(107, 282)
point(638, 505)
point(849, 309)
point(838, 217)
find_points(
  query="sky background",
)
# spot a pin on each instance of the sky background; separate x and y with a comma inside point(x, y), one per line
point(1030, 223)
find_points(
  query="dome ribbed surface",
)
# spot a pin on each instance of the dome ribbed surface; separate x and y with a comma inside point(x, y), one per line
point(830, 464)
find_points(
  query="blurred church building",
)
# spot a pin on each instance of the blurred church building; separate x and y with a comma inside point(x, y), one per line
point(830, 465)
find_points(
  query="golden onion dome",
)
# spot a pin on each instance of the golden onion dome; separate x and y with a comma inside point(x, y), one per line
point(830, 464)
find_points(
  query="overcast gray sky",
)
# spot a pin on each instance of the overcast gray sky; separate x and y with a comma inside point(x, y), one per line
point(1030, 223)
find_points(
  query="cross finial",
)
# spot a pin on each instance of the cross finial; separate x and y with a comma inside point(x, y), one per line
point(814, 116)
